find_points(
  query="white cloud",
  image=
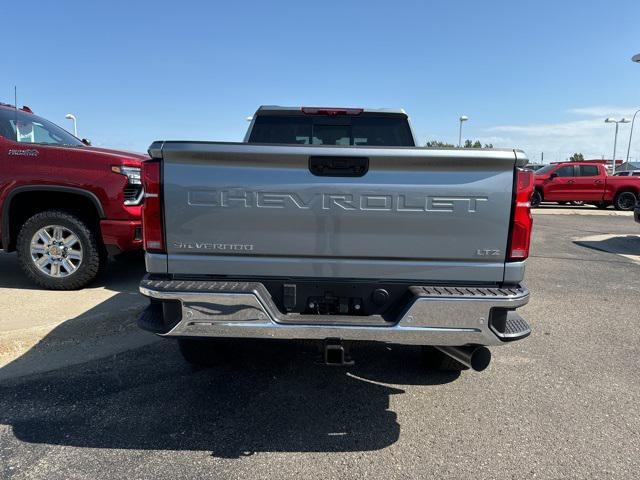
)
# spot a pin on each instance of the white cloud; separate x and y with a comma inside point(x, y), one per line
point(603, 111)
point(590, 136)
point(566, 129)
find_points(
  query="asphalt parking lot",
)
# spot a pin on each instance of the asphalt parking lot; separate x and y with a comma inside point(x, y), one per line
point(561, 404)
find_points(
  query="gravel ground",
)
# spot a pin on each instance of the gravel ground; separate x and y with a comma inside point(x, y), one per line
point(561, 404)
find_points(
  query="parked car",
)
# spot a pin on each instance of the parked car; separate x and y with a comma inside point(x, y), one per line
point(586, 182)
point(330, 225)
point(533, 166)
point(628, 173)
point(63, 204)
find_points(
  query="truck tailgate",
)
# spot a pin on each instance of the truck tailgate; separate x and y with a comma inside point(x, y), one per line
point(258, 210)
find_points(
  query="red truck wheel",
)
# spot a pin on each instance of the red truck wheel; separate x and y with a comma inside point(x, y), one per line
point(536, 199)
point(625, 201)
point(59, 251)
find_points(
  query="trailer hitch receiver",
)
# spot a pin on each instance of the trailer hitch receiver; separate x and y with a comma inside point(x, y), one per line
point(336, 353)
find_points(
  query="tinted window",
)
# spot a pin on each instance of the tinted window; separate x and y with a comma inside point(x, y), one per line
point(588, 171)
point(636, 174)
point(566, 172)
point(545, 169)
point(25, 127)
point(332, 135)
point(387, 131)
point(382, 132)
point(281, 129)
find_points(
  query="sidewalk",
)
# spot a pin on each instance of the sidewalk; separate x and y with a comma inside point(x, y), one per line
point(42, 329)
point(585, 210)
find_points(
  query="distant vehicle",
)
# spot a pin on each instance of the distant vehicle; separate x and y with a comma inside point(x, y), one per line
point(586, 182)
point(328, 224)
point(63, 204)
point(628, 173)
point(533, 166)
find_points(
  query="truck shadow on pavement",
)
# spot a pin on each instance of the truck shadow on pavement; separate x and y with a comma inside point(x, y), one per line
point(625, 245)
point(270, 397)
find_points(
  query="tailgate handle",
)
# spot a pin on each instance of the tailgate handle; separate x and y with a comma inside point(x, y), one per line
point(326, 166)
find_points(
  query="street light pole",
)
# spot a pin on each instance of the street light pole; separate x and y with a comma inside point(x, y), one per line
point(463, 118)
point(633, 121)
point(69, 116)
point(635, 58)
point(615, 139)
point(615, 143)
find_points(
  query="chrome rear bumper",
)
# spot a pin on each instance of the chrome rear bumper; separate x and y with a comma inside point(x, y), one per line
point(434, 315)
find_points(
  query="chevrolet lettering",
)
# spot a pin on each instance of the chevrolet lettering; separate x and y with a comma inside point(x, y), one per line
point(330, 201)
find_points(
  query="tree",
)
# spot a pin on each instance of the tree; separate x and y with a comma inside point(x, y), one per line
point(476, 144)
point(576, 157)
point(467, 144)
point(438, 144)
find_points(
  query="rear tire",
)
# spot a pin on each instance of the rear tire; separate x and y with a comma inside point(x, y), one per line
point(625, 201)
point(536, 199)
point(434, 359)
point(81, 262)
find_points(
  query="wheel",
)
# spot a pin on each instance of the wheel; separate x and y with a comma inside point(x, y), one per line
point(602, 205)
point(59, 251)
point(202, 352)
point(624, 201)
point(536, 198)
point(434, 359)
point(577, 203)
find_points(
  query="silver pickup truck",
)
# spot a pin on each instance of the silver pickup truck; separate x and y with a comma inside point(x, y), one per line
point(331, 225)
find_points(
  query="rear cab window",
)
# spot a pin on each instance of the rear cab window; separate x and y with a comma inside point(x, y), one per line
point(589, 171)
point(568, 171)
point(364, 129)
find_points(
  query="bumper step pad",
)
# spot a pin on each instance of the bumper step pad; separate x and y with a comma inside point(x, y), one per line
point(516, 328)
point(433, 315)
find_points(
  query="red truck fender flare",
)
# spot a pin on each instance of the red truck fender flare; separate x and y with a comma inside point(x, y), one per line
point(42, 188)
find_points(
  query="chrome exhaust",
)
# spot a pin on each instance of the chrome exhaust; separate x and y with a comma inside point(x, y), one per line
point(476, 358)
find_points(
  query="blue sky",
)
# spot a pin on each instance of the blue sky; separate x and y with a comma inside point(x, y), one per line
point(540, 75)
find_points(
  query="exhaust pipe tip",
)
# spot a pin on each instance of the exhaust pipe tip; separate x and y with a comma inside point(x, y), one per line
point(480, 359)
point(477, 358)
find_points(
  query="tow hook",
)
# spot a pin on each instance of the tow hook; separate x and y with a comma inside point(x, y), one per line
point(336, 353)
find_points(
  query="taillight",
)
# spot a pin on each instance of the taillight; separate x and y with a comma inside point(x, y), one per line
point(521, 221)
point(330, 111)
point(152, 235)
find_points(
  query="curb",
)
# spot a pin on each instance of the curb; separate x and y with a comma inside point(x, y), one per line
point(584, 212)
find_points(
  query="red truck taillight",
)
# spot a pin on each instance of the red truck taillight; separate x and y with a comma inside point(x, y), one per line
point(521, 221)
point(152, 234)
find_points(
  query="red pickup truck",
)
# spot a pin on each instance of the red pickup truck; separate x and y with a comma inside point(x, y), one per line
point(64, 205)
point(584, 182)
